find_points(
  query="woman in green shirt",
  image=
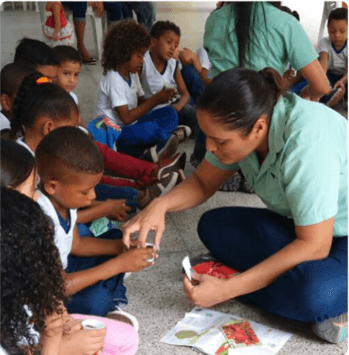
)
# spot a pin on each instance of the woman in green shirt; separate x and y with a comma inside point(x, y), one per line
point(293, 255)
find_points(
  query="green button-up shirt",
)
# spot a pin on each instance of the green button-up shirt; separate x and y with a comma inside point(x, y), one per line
point(305, 174)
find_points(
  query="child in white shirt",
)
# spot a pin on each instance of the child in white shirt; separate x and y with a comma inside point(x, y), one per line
point(122, 97)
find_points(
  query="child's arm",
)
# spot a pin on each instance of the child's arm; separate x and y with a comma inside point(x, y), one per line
point(56, 8)
point(341, 83)
point(129, 261)
point(113, 209)
point(129, 116)
point(182, 89)
point(51, 336)
point(188, 57)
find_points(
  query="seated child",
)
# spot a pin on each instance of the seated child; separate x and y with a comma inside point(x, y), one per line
point(69, 68)
point(333, 51)
point(141, 172)
point(33, 318)
point(56, 29)
point(70, 166)
point(12, 76)
point(40, 107)
point(160, 70)
point(39, 55)
point(121, 96)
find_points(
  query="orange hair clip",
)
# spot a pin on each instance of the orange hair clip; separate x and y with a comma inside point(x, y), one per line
point(43, 80)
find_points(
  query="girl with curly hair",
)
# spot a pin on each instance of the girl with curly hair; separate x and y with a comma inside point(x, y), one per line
point(33, 317)
point(122, 98)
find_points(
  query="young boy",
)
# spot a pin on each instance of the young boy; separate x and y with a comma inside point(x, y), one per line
point(333, 52)
point(38, 54)
point(70, 166)
point(69, 68)
point(12, 76)
point(160, 69)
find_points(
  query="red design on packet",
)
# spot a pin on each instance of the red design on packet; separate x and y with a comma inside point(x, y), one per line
point(216, 269)
point(109, 123)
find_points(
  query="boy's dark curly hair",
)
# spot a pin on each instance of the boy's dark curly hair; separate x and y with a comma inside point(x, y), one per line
point(160, 27)
point(30, 270)
point(121, 41)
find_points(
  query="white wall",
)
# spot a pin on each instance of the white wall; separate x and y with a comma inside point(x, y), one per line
point(191, 17)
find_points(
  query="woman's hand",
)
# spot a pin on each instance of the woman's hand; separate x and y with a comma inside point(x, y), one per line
point(151, 218)
point(209, 290)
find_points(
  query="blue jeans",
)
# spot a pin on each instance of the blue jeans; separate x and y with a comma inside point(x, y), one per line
point(145, 12)
point(101, 298)
point(193, 83)
point(103, 192)
point(154, 128)
point(243, 237)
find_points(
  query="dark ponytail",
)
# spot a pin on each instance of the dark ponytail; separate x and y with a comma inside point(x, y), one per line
point(245, 12)
point(35, 100)
point(238, 97)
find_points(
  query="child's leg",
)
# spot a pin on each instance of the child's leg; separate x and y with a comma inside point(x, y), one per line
point(193, 82)
point(187, 116)
point(103, 192)
point(125, 165)
point(120, 339)
point(154, 128)
point(101, 298)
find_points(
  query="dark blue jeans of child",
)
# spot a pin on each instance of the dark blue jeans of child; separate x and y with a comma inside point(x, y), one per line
point(154, 128)
point(101, 298)
point(104, 192)
point(243, 237)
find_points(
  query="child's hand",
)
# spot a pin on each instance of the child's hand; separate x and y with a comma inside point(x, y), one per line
point(339, 84)
point(116, 209)
point(186, 56)
point(135, 259)
point(176, 53)
point(165, 95)
point(97, 7)
point(55, 36)
point(87, 342)
point(53, 325)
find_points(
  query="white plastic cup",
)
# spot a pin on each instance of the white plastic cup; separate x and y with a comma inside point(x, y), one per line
point(150, 245)
point(92, 324)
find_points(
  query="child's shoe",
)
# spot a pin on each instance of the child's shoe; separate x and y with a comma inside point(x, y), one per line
point(157, 190)
point(333, 330)
point(182, 132)
point(333, 97)
point(124, 317)
point(168, 150)
point(175, 163)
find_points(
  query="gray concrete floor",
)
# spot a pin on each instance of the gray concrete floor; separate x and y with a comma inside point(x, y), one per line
point(155, 294)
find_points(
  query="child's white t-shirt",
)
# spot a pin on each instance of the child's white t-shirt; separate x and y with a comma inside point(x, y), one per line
point(4, 122)
point(75, 97)
point(21, 142)
point(152, 81)
point(337, 60)
point(63, 240)
point(115, 91)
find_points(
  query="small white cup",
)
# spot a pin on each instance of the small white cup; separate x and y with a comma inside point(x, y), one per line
point(92, 324)
point(150, 245)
